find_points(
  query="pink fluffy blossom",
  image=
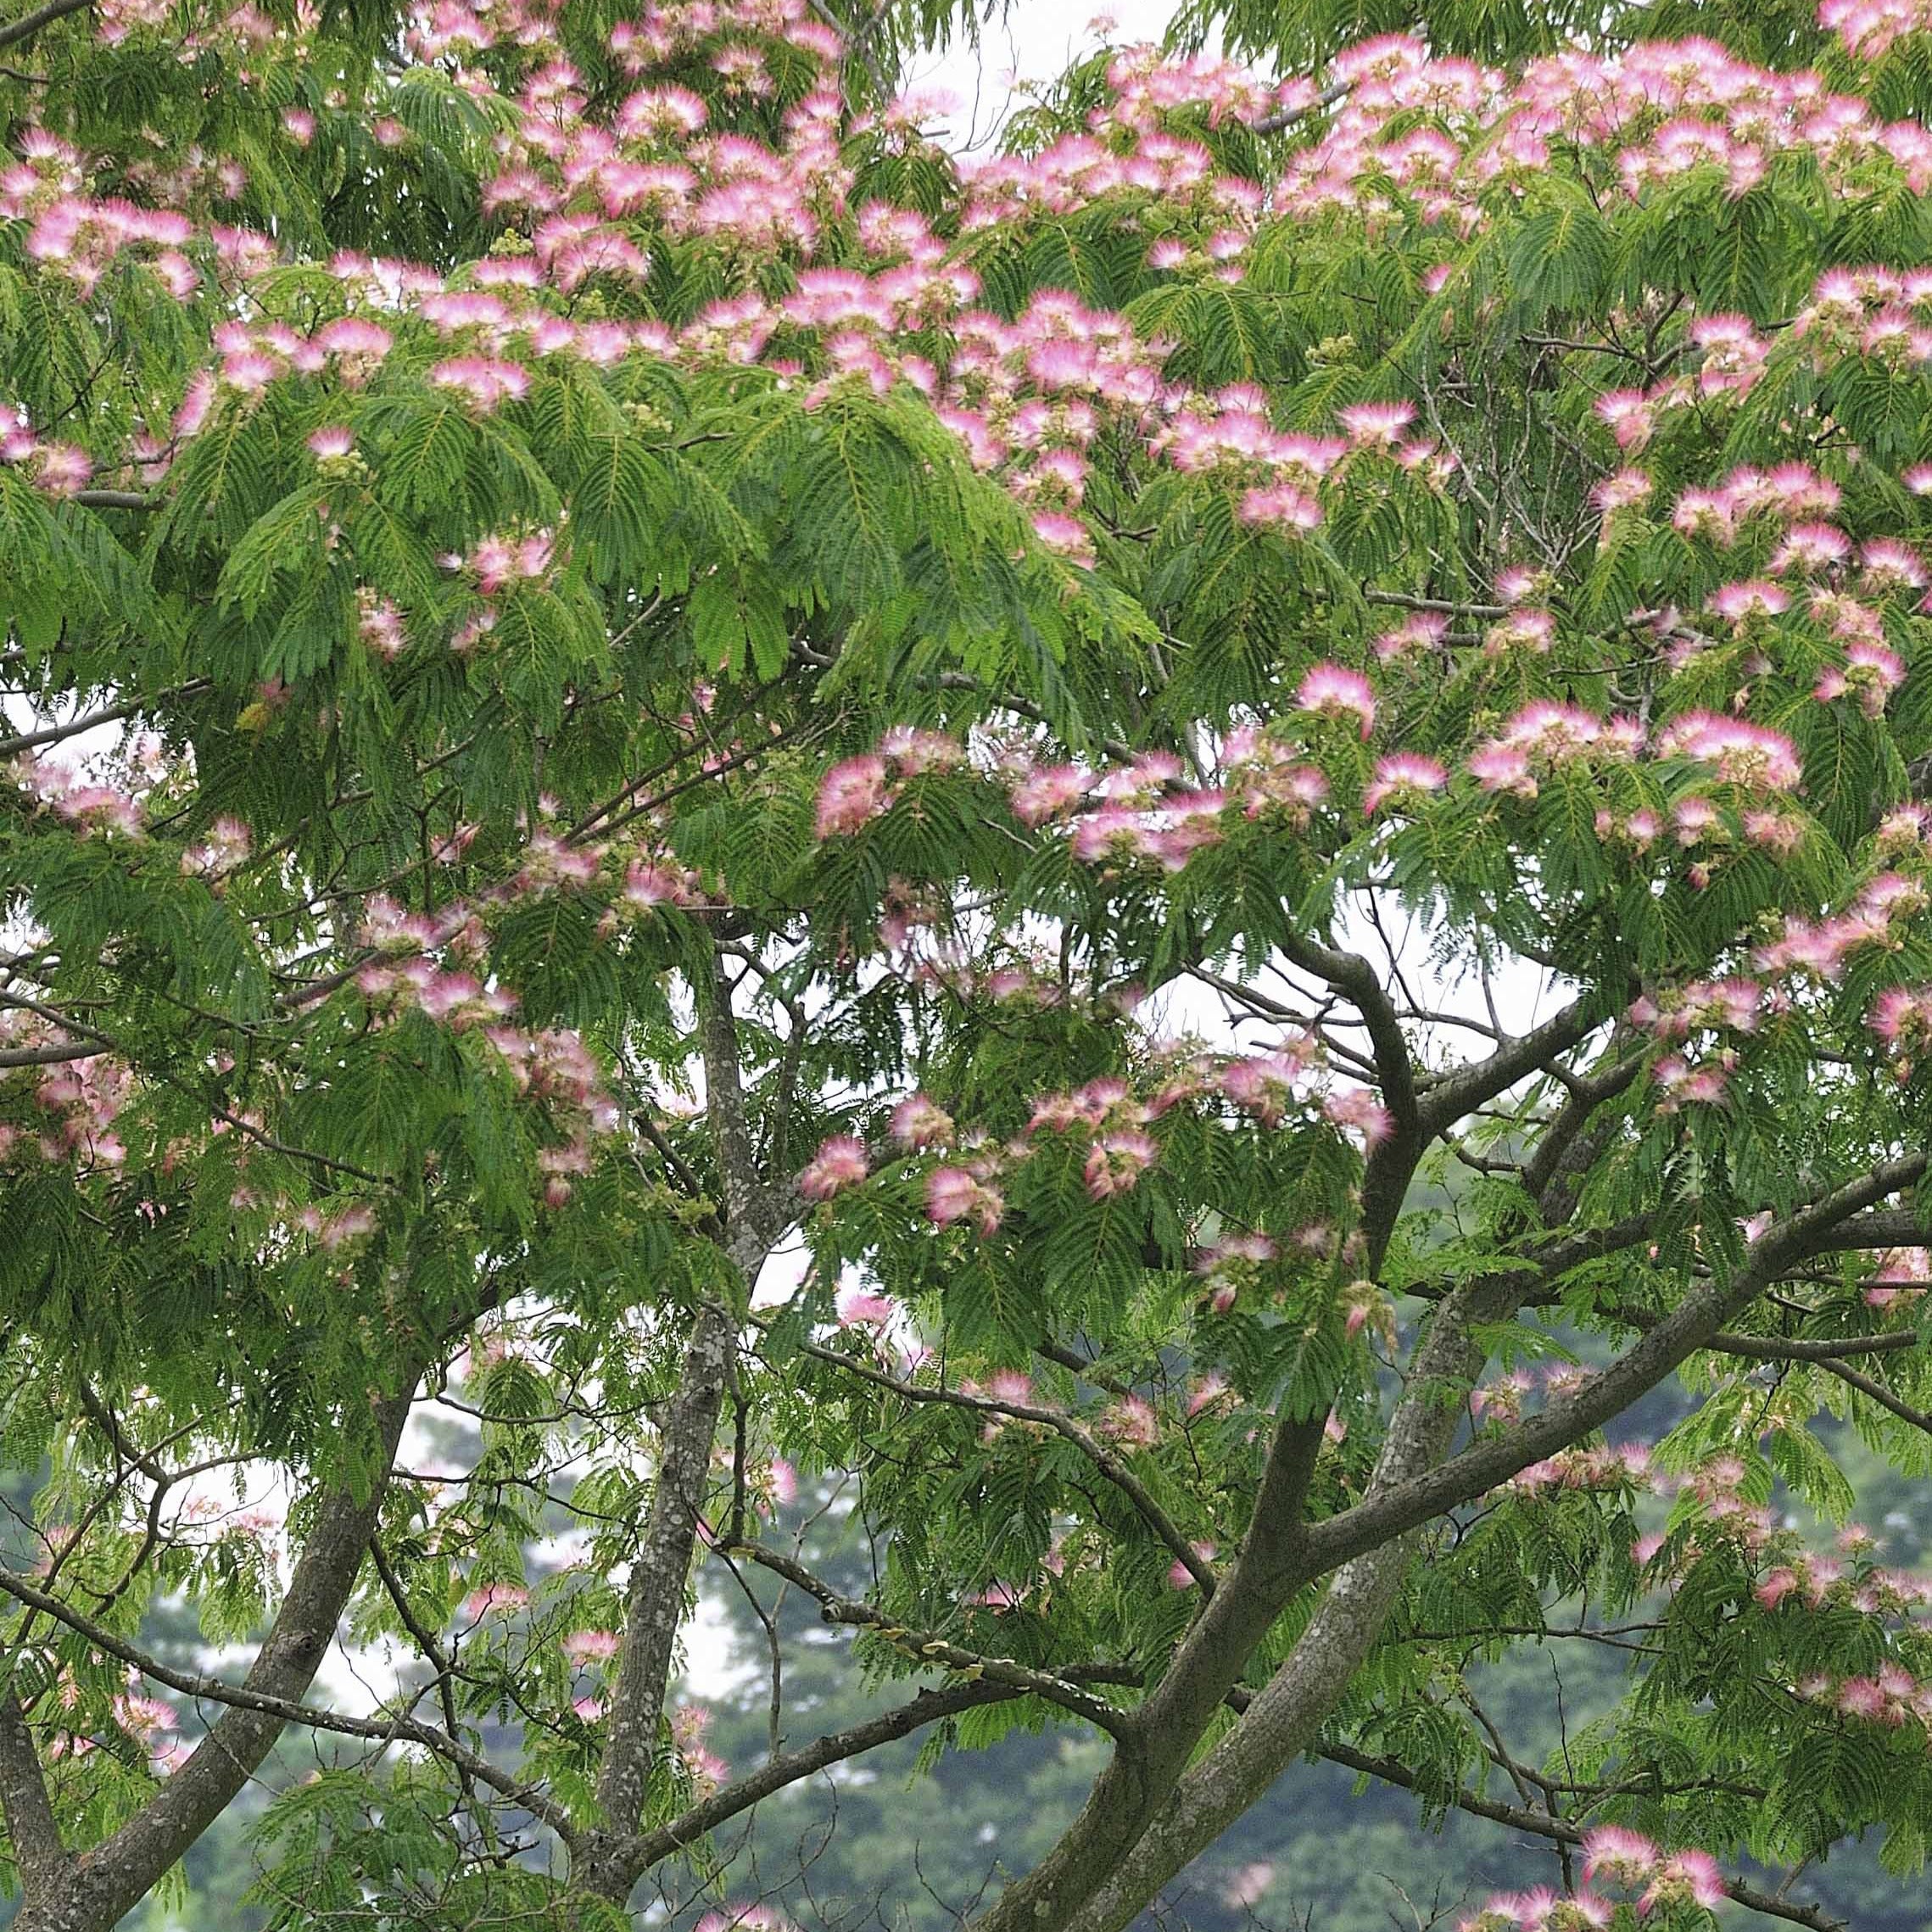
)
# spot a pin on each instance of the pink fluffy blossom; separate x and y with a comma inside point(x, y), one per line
point(841, 1162)
point(1332, 690)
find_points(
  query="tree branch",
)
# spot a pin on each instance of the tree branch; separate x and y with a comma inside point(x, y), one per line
point(654, 1607)
point(754, 1217)
point(1565, 1151)
point(107, 1882)
point(108, 714)
point(1564, 1831)
point(113, 498)
point(38, 1848)
point(1447, 608)
point(1878, 1392)
point(1457, 1093)
point(421, 1634)
point(1287, 117)
point(1146, 1816)
point(1283, 1718)
point(1481, 1467)
point(1770, 1348)
point(239, 1698)
point(1110, 1466)
point(928, 1708)
point(925, 1648)
point(49, 1056)
point(1350, 974)
point(24, 28)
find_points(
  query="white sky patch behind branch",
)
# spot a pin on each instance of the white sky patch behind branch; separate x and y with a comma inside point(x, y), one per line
point(1038, 42)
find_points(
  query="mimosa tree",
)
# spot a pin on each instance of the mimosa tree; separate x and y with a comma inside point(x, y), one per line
point(616, 669)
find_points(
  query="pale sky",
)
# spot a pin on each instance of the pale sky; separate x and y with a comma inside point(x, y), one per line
point(1037, 40)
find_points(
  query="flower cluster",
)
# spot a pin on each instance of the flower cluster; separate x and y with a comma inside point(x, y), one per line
point(1870, 28)
point(1110, 1124)
point(745, 1919)
point(76, 1103)
point(551, 1068)
point(91, 807)
point(1147, 812)
point(1620, 1467)
point(853, 793)
point(706, 1770)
